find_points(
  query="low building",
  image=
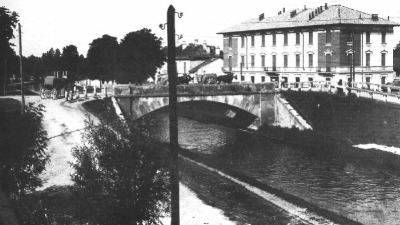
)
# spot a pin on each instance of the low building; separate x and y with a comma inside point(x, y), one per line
point(327, 43)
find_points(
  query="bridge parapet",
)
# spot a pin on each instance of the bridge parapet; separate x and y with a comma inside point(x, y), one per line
point(194, 90)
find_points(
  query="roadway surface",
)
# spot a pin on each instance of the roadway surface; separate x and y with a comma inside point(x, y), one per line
point(61, 119)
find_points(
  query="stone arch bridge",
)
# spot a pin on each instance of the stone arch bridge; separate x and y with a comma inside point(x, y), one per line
point(257, 99)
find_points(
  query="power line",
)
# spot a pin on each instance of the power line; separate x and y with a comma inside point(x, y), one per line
point(70, 132)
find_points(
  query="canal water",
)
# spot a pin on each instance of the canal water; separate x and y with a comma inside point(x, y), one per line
point(355, 189)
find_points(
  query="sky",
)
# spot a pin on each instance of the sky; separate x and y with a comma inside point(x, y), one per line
point(58, 23)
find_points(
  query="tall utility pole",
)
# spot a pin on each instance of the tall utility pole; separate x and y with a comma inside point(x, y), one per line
point(5, 76)
point(173, 118)
point(353, 62)
point(20, 69)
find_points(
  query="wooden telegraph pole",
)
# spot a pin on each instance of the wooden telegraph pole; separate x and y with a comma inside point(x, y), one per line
point(5, 76)
point(20, 69)
point(173, 118)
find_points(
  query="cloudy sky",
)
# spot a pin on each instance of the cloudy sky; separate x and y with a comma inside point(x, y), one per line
point(57, 23)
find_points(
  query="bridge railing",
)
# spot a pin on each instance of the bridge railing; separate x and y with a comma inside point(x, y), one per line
point(194, 89)
point(383, 92)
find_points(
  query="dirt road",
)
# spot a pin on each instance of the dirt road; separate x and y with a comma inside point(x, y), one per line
point(62, 117)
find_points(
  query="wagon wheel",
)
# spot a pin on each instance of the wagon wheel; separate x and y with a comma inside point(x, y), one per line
point(42, 94)
point(54, 93)
point(47, 93)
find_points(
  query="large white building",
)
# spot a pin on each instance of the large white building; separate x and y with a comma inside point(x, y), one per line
point(328, 43)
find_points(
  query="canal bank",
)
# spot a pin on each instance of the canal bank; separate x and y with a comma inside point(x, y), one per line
point(324, 176)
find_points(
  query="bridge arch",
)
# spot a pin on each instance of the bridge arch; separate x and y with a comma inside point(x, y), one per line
point(249, 103)
point(256, 99)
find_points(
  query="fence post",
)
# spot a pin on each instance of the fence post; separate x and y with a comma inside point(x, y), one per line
point(94, 91)
point(85, 91)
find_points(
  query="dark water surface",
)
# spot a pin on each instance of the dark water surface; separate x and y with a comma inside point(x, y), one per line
point(360, 191)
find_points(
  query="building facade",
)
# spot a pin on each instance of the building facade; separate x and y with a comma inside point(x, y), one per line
point(328, 43)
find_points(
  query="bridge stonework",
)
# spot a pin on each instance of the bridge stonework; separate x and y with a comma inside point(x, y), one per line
point(257, 99)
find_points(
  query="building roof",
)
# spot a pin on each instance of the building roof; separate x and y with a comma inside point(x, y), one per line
point(196, 68)
point(333, 15)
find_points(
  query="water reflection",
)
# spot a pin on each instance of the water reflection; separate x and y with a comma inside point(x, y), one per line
point(355, 189)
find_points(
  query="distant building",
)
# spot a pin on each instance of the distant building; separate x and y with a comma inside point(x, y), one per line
point(186, 62)
point(311, 44)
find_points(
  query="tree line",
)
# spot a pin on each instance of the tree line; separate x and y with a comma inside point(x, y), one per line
point(132, 60)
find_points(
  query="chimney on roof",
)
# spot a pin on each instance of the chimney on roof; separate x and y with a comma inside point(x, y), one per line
point(312, 14)
point(292, 13)
point(261, 17)
point(316, 11)
point(279, 13)
point(305, 7)
point(388, 17)
point(326, 5)
point(309, 16)
point(283, 10)
point(374, 17)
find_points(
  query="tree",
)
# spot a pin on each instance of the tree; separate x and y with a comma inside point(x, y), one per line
point(22, 149)
point(120, 178)
point(70, 62)
point(139, 57)
point(52, 61)
point(191, 50)
point(8, 22)
point(101, 58)
point(33, 67)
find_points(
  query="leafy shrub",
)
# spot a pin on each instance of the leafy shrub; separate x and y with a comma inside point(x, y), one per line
point(22, 149)
point(120, 177)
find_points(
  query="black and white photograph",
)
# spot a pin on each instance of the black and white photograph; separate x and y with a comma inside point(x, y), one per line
point(205, 112)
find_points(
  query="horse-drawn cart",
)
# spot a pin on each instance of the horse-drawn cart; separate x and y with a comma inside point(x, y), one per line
point(53, 87)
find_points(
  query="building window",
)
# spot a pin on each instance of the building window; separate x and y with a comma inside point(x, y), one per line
point(262, 60)
point(328, 36)
point(297, 60)
point(242, 41)
point(350, 59)
point(285, 61)
point(241, 78)
point(263, 79)
point(252, 60)
point(350, 37)
point(328, 62)
point(285, 38)
point(242, 60)
point(262, 40)
point(310, 38)
point(384, 37)
point(230, 42)
point(383, 62)
point(297, 38)
point(274, 39)
point(252, 41)
point(310, 60)
point(230, 63)
point(273, 62)
point(368, 59)
point(368, 37)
